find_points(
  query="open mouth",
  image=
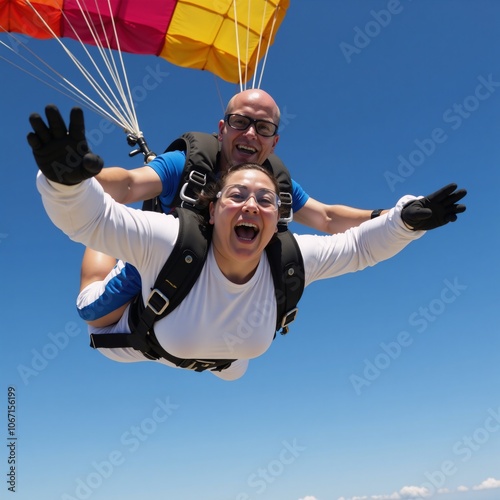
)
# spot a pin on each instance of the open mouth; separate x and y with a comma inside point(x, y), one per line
point(246, 231)
point(247, 150)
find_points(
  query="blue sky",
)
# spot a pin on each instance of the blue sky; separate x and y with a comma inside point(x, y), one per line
point(388, 382)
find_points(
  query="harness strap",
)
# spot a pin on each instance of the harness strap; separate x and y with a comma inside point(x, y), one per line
point(183, 267)
point(202, 157)
point(287, 267)
point(142, 326)
point(174, 282)
point(151, 349)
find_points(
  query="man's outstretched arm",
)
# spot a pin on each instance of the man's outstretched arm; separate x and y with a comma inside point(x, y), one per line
point(130, 186)
point(331, 219)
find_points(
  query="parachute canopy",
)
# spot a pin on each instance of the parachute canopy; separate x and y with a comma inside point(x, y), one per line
point(210, 35)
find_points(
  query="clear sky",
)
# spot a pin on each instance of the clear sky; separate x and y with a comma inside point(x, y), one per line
point(387, 385)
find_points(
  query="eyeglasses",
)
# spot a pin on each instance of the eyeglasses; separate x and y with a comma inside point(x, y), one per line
point(237, 194)
point(242, 122)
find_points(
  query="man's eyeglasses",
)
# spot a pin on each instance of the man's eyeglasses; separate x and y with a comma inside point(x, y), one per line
point(236, 194)
point(242, 122)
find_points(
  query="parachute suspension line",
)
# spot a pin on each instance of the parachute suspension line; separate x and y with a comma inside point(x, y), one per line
point(109, 60)
point(121, 107)
point(116, 117)
point(235, 11)
point(268, 45)
point(258, 49)
point(129, 101)
point(248, 42)
point(68, 91)
point(92, 29)
point(135, 137)
point(219, 94)
point(243, 81)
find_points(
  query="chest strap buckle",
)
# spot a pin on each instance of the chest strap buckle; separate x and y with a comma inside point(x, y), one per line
point(157, 302)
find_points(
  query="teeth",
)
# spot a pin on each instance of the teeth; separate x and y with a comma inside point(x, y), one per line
point(246, 231)
point(248, 149)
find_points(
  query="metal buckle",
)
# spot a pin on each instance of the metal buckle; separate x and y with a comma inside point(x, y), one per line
point(203, 364)
point(196, 178)
point(188, 364)
point(289, 317)
point(196, 364)
point(162, 296)
point(286, 200)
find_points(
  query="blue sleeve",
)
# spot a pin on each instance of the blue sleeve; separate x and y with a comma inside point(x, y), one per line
point(299, 196)
point(169, 167)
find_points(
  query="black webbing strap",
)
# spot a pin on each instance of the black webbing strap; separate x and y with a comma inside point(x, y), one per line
point(174, 282)
point(287, 267)
point(178, 276)
point(202, 158)
point(151, 349)
point(274, 164)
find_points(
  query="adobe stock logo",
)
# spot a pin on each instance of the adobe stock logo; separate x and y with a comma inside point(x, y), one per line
point(41, 357)
point(263, 477)
point(102, 469)
point(451, 120)
point(420, 320)
point(464, 450)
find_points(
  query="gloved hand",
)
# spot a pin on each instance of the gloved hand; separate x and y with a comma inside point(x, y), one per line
point(434, 210)
point(62, 155)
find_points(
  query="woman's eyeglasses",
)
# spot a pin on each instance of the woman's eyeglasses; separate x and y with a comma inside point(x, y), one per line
point(238, 195)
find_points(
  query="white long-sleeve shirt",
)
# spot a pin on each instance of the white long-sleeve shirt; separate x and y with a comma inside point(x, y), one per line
point(218, 319)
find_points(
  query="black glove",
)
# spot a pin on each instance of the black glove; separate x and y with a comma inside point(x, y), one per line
point(62, 155)
point(434, 210)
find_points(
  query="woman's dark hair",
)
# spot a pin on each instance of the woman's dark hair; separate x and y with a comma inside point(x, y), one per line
point(209, 193)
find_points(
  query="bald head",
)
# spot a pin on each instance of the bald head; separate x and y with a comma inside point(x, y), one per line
point(246, 145)
point(255, 99)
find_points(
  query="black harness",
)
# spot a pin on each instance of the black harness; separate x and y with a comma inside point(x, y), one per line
point(201, 167)
point(184, 265)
